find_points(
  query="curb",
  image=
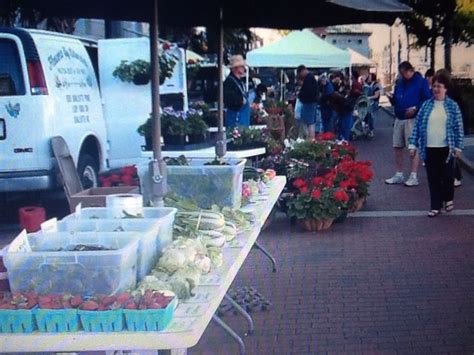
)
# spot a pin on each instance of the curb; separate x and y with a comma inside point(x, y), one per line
point(466, 163)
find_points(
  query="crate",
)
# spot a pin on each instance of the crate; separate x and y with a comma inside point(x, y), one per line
point(147, 231)
point(164, 215)
point(57, 320)
point(101, 321)
point(32, 266)
point(96, 196)
point(16, 321)
point(208, 184)
point(150, 319)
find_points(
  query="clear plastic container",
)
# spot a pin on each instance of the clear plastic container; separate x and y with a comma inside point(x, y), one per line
point(38, 262)
point(147, 231)
point(208, 184)
point(162, 215)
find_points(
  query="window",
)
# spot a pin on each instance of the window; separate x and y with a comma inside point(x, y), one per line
point(359, 41)
point(334, 41)
point(349, 41)
point(11, 76)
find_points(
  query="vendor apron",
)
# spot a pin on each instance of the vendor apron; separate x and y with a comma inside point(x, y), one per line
point(241, 117)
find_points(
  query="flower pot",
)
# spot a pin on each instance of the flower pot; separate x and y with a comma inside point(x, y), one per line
point(313, 225)
point(174, 140)
point(148, 143)
point(197, 138)
point(358, 204)
point(141, 79)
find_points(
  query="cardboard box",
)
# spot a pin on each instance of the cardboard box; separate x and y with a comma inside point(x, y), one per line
point(95, 197)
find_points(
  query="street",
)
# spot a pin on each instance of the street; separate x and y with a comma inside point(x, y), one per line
point(378, 284)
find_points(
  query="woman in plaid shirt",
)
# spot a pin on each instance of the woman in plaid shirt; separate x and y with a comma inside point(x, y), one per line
point(438, 136)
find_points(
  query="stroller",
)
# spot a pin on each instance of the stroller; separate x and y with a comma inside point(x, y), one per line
point(360, 128)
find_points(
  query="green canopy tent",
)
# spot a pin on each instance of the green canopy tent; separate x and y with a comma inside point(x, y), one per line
point(294, 14)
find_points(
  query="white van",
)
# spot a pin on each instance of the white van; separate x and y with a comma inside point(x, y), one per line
point(48, 87)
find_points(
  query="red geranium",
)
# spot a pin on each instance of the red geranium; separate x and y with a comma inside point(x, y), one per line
point(298, 183)
point(316, 194)
point(127, 180)
point(341, 196)
point(129, 170)
point(304, 189)
point(328, 136)
point(114, 178)
point(318, 180)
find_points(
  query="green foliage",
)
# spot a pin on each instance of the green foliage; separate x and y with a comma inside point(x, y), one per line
point(127, 71)
point(303, 206)
point(196, 124)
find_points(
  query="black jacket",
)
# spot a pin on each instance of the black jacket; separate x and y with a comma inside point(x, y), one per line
point(233, 95)
point(309, 92)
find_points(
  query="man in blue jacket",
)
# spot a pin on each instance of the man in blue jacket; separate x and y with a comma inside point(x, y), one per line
point(411, 90)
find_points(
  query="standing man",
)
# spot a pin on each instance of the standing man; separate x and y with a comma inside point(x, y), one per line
point(327, 89)
point(236, 99)
point(411, 90)
point(309, 97)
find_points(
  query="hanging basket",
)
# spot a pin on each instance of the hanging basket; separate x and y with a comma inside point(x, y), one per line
point(141, 79)
point(313, 225)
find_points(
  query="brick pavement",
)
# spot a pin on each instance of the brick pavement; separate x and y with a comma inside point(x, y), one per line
point(370, 285)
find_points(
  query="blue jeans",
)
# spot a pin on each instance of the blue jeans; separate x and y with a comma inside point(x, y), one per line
point(345, 124)
point(328, 119)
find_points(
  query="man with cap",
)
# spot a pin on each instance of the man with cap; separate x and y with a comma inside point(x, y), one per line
point(236, 99)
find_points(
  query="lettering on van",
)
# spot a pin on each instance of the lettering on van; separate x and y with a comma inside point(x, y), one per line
point(13, 110)
point(68, 53)
point(80, 107)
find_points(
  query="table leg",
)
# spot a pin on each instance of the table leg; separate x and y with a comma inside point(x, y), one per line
point(231, 332)
point(243, 312)
point(265, 252)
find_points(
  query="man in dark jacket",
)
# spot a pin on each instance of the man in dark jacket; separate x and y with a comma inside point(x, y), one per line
point(235, 95)
point(411, 90)
point(309, 97)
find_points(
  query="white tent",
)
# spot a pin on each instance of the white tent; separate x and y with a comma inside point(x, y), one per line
point(299, 47)
point(358, 60)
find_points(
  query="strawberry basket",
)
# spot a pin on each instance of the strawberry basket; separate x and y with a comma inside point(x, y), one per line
point(16, 321)
point(102, 321)
point(57, 320)
point(150, 319)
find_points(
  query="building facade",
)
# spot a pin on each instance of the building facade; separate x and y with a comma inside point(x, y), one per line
point(355, 37)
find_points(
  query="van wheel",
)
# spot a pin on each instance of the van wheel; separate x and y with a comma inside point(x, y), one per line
point(88, 170)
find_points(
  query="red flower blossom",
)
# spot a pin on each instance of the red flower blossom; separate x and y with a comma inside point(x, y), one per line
point(166, 46)
point(316, 194)
point(106, 182)
point(341, 196)
point(318, 180)
point(129, 170)
point(298, 183)
point(304, 189)
point(114, 178)
point(326, 136)
point(127, 180)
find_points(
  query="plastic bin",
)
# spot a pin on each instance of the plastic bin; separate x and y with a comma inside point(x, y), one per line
point(16, 321)
point(208, 184)
point(33, 266)
point(150, 319)
point(57, 320)
point(147, 231)
point(102, 321)
point(164, 215)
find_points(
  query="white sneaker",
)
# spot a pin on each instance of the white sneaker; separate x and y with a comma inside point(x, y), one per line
point(412, 181)
point(457, 183)
point(395, 179)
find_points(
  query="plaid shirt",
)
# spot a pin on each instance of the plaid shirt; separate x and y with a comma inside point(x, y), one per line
point(454, 126)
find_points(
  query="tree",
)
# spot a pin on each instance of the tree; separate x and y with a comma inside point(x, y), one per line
point(432, 19)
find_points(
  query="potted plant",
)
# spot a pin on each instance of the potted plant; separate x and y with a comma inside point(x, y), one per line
point(246, 138)
point(139, 71)
point(196, 127)
point(316, 208)
point(145, 131)
point(173, 126)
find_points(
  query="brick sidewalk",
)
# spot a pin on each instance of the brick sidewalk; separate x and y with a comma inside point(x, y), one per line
point(370, 285)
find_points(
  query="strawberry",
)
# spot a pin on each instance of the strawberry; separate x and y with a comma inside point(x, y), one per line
point(102, 308)
point(142, 306)
point(76, 301)
point(107, 300)
point(7, 306)
point(123, 298)
point(89, 306)
point(44, 299)
point(131, 305)
point(154, 306)
point(51, 305)
point(66, 304)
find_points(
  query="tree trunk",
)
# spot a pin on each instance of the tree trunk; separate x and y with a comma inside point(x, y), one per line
point(433, 53)
point(448, 41)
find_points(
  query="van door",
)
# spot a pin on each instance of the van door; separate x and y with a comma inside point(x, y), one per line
point(21, 127)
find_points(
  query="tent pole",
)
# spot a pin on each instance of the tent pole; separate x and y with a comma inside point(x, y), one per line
point(157, 165)
point(221, 144)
